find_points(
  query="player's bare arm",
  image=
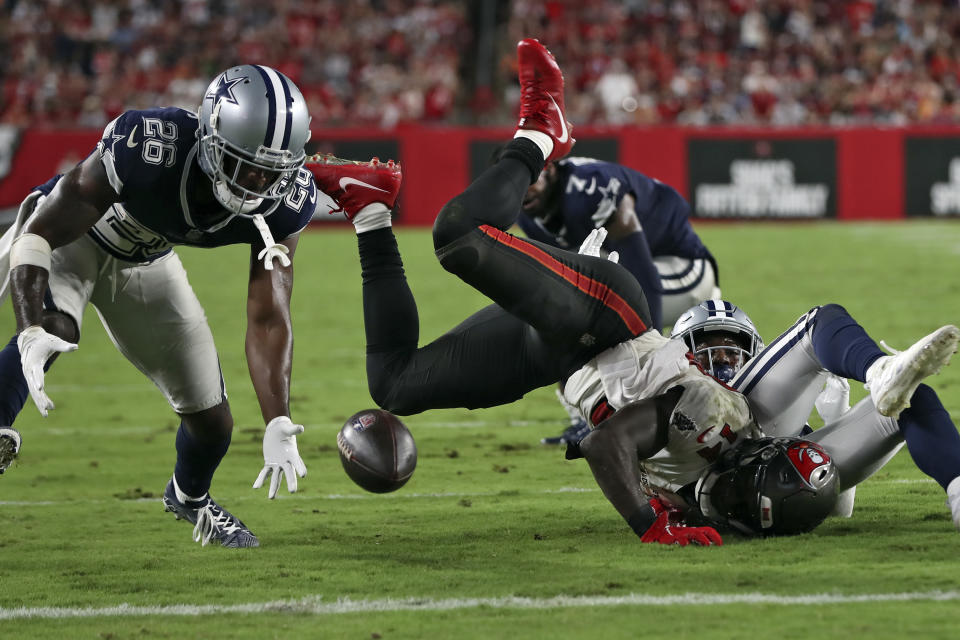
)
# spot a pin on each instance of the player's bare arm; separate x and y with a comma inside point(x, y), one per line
point(633, 433)
point(75, 204)
point(269, 348)
point(623, 221)
point(269, 337)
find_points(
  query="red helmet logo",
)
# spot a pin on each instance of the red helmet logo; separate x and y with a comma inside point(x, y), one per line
point(807, 457)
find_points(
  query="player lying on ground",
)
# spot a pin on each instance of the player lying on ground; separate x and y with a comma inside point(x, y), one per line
point(826, 345)
point(104, 234)
point(553, 310)
point(781, 384)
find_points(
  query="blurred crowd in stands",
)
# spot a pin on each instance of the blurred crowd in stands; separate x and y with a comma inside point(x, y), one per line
point(70, 63)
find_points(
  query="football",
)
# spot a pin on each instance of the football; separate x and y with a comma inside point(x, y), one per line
point(377, 450)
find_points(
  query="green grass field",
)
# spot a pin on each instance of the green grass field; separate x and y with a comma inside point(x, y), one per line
point(495, 536)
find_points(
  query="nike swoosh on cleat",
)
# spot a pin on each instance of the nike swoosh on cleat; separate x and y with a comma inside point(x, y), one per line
point(345, 182)
point(130, 141)
point(563, 122)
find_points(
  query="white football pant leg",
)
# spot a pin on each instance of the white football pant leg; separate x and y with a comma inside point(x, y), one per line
point(685, 282)
point(154, 318)
point(860, 442)
point(783, 381)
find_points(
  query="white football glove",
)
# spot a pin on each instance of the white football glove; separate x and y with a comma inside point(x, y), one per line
point(834, 400)
point(280, 455)
point(36, 347)
point(593, 242)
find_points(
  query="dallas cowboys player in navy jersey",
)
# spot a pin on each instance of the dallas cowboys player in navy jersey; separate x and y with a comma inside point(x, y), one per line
point(647, 224)
point(104, 233)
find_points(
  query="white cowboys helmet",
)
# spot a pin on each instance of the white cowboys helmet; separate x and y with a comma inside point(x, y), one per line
point(253, 128)
point(724, 319)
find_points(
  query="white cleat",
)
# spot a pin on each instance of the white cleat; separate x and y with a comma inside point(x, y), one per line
point(953, 500)
point(9, 446)
point(893, 379)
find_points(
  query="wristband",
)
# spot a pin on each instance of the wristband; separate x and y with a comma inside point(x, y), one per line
point(29, 248)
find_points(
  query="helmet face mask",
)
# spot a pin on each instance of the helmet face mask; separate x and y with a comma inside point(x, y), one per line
point(253, 128)
point(720, 336)
point(770, 487)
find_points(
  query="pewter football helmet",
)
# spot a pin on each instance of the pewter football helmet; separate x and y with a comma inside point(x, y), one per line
point(253, 127)
point(722, 317)
point(770, 487)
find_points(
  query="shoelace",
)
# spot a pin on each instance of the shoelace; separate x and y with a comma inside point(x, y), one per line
point(889, 349)
point(211, 520)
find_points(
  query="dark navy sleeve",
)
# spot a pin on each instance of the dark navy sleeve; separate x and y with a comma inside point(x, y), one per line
point(297, 208)
point(139, 147)
point(535, 231)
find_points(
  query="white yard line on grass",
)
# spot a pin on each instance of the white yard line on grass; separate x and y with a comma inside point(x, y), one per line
point(100, 429)
point(369, 496)
point(315, 605)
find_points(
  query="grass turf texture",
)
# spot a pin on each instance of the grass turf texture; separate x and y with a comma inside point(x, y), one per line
point(489, 513)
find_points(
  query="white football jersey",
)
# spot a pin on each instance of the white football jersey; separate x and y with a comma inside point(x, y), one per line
point(708, 418)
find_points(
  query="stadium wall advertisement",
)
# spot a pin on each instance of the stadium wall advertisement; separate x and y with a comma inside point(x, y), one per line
point(738, 173)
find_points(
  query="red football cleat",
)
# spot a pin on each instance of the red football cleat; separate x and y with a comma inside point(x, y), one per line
point(541, 96)
point(353, 184)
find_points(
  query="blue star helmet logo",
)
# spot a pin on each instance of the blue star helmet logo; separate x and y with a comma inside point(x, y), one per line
point(224, 89)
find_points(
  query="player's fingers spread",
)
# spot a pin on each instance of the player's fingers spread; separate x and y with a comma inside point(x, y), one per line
point(291, 477)
point(260, 478)
point(300, 466)
point(274, 482)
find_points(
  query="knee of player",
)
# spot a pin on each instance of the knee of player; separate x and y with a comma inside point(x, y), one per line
point(213, 425)
point(831, 310)
point(383, 391)
point(451, 224)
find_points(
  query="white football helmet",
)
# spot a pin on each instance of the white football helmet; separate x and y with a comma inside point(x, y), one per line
point(253, 128)
point(721, 318)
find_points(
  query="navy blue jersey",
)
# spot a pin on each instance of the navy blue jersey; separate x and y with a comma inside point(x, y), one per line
point(591, 190)
point(150, 160)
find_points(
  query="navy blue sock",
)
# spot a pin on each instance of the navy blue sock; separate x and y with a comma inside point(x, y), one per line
point(842, 345)
point(13, 386)
point(932, 438)
point(636, 258)
point(197, 459)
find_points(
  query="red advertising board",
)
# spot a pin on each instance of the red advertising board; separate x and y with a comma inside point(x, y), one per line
point(848, 173)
